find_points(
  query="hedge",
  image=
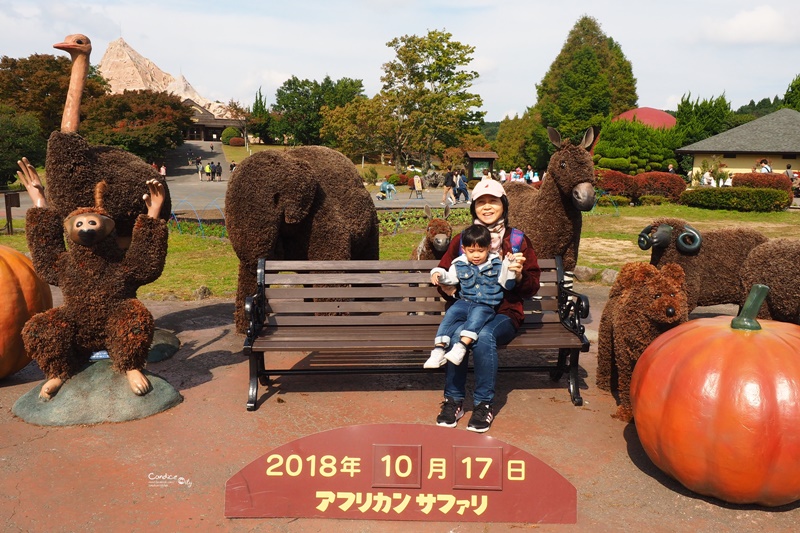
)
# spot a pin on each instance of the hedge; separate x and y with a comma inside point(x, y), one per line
point(236, 141)
point(760, 180)
point(660, 184)
point(616, 183)
point(607, 200)
point(736, 198)
point(645, 184)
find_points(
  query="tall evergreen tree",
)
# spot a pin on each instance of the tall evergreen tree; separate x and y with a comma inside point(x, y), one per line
point(792, 97)
point(589, 80)
point(260, 118)
point(510, 141)
point(698, 120)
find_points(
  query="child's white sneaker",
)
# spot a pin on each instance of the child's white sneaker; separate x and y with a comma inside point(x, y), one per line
point(436, 359)
point(456, 353)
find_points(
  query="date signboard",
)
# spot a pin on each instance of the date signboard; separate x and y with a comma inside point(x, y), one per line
point(401, 472)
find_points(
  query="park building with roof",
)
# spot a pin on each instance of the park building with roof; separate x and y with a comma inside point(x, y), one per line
point(774, 137)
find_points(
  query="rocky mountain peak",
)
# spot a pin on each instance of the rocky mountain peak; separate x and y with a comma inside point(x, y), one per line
point(125, 68)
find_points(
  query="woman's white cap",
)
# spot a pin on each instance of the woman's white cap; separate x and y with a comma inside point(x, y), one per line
point(488, 187)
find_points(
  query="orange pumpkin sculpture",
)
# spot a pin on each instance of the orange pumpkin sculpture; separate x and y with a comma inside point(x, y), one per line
point(717, 406)
point(22, 295)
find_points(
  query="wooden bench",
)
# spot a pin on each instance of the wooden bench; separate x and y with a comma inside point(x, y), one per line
point(365, 317)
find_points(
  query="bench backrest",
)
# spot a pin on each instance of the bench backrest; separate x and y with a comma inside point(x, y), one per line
point(302, 293)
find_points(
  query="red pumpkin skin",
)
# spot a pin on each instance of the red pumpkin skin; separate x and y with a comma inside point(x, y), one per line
point(718, 409)
point(22, 295)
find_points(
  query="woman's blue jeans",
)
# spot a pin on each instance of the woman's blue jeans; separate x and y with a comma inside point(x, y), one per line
point(484, 356)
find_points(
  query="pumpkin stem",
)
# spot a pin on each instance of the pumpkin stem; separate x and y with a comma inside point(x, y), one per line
point(747, 317)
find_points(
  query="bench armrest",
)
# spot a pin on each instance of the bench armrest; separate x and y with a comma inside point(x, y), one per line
point(255, 306)
point(572, 307)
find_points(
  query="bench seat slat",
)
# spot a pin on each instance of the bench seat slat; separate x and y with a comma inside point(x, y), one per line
point(379, 307)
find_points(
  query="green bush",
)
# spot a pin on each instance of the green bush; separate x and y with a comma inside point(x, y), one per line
point(652, 199)
point(228, 133)
point(370, 175)
point(608, 200)
point(760, 180)
point(617, 163)
point(236, 141)
point(736, 199)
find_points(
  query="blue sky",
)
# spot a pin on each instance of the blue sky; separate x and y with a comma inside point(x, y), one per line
point(227, 50)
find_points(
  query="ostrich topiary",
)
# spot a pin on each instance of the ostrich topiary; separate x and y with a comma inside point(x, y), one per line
point(74, 167)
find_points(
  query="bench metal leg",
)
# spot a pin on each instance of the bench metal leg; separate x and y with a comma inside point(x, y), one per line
point(561, 365)
point(252, 398)
point(574, 387)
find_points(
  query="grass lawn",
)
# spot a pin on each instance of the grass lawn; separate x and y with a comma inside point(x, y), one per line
point(608, 241)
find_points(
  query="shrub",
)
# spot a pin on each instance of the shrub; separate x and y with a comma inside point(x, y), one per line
point(236, 141)
point(736, 198)
point(608, 200)
point(228, 133)
point(764, 181)
point(660, 184)
point(616, 183)
point(650, 199)
point(370, 175)
point(616, 163)
point(402, 179)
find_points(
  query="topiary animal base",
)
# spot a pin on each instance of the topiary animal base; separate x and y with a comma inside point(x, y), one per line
point(97, 394)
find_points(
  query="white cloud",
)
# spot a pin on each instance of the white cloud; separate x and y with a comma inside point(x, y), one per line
point(760, 25)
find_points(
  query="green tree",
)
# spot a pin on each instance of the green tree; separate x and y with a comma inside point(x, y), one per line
point(428, 84)
point(489, 130)
point(765, 106)
point(38, 84)
point(145, 123)
point(371, 126)
point(298, 106)
point(20, 135)
point(241, 114)
point(698, 120)
point(587, 53)
point(792, 97)
point(589, 80)
point(260, 119)
point(510, 141)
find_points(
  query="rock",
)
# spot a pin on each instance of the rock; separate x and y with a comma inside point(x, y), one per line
point(202, 293)
point(164, 346)
point(608, 276)
point(95, 395)
point(584, 273)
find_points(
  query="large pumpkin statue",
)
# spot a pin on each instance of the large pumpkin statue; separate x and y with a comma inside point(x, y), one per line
point(22, 295)
point(717, 406)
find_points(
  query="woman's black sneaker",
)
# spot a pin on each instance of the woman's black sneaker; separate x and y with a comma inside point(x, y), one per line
point(450, 413)
point(481, 419)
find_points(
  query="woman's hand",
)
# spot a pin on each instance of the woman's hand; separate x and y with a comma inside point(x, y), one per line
point(30, 179)
point(515, 264)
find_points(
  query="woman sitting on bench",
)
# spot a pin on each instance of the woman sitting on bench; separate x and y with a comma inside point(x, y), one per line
point(489, 208)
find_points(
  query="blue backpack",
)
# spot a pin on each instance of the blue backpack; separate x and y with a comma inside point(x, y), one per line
point(517, 236)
